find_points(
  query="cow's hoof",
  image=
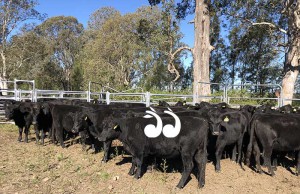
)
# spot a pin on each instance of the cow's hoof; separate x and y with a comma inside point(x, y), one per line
point(201, 185)
point(179, 186)
point(137, 176)
point(130, 173)
point(104, 161)
point(218, 170)
point(259, 171)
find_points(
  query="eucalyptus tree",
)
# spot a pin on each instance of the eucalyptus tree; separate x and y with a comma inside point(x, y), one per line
point(279, 22)
point(202, 47)
point(13, 13)
point(130, 49)
point(63, 35)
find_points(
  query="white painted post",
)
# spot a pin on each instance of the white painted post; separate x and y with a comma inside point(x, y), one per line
point(107, 98)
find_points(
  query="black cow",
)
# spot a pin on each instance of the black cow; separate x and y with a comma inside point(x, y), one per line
point(42, 120)
point(190, 143)
point(230, 128)
point(287, 109)
point(20, 113)
point(275, 132)
point(91, 121)
point(62, 121)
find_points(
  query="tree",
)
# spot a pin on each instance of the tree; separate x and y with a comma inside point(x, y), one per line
point(63, 35)
point(26, 54)
point(100, 16)
point(159, 35)
point(279, 19)
point(12, 14)
point(202, 47)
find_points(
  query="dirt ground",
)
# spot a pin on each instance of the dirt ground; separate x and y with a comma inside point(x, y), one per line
point(31, 168)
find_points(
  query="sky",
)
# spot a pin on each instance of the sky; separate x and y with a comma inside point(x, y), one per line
point(82, 9)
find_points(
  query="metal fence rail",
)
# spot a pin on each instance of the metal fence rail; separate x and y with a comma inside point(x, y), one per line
point(25, 90)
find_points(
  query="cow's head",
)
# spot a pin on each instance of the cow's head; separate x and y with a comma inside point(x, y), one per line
point(111, 129)
point(218, 123)
point(36, 111)
point(10, 110)
point(81, 121)
point(45, 107)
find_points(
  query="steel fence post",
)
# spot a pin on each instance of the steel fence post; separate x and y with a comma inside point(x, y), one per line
point(107, 98)
point(148, 96)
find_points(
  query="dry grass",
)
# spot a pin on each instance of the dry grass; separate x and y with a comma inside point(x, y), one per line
point(31, 168)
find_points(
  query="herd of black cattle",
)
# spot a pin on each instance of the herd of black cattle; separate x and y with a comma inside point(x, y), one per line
point(205, 131)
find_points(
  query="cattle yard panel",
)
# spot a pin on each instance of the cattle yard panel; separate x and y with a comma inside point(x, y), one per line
point(125, 97)
point(169, 98)
point(218, 93)
point(241, 94)
point(19, 90)
point(23, 90)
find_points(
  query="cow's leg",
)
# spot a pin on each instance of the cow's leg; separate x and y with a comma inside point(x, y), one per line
point(83, 137)
point(132, 168)
point(220, 147)
point(37, 134)
point(20, 134)
point(200, 159)
point(267, 158)
point(256, 152)
point(139, 163)
point(233, 155)
point(60, 136)
point(188, 164)
point(107, 146)
point(50, 134)
point(239, 149)
point(43, 136)
point(275, 161)
point(298, 163)
point(26, 131)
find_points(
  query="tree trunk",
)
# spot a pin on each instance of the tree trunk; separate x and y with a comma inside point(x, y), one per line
point(293, 55)
point(3, 76)
point(201, 51)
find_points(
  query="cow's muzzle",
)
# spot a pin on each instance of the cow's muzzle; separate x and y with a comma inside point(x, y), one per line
point(215, 132)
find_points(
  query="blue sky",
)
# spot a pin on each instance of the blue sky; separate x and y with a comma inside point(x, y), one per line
point(82, 9)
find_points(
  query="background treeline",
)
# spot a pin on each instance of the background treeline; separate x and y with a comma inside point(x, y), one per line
point(125, 51)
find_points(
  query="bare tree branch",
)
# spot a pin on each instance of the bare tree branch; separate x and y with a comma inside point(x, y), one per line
point(171, 66)
point(269, 24)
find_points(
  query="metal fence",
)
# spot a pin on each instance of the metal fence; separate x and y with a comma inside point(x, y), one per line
point(25, 90)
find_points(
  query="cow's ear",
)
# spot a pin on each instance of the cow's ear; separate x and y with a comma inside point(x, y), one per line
point(116, 128)
point(226, 119)
point(85, 117)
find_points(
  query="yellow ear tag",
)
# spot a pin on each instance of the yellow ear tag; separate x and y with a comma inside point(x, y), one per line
point(85, 118)
point(115, 126)
point(184, 104)
point(226, 119)
point(294, 110)
point(94, 102)
point(223, 106)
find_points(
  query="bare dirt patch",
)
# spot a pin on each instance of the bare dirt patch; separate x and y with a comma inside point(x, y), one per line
point(31, 168)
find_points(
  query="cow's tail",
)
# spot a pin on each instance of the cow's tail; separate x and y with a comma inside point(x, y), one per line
point(250, 145)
